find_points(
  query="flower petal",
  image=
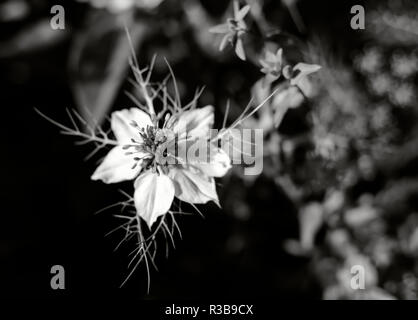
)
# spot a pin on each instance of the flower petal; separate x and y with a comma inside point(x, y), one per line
point(242, 13)
point(279, 56)
point(224, 42)
point(239, 49)
point(265, 64)
point(122, 127)
point(195, 123)
point(218, 165)
point(301, 70)
point(193, 187)
point(220, 28)
point(204, 156)
point(154, 194)
point(116, 167)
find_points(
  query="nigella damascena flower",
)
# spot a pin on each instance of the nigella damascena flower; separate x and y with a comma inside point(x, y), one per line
point(233, 30)
point(158, 159)
point(272, 65)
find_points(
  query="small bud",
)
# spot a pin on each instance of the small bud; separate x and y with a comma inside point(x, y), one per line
point(287, 72)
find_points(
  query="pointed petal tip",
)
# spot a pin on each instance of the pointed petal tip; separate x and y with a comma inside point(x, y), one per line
point(243, 12)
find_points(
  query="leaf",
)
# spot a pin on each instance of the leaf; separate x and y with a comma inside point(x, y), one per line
point(36, 36)
point(99, 61)
point(360, 216)
point(16, 10)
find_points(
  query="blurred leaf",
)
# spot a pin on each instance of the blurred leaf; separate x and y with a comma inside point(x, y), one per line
point(310, 221)
point(99, 61)
point(334, 201)
point(398, 28)
point(36, 36)
point(399, 197)
point(359, 216)
point(200, 23)
point(340, 242)
point(118, 6)
point(408, 236)
point(403, 159)
point(295, 14)
point(15, 10)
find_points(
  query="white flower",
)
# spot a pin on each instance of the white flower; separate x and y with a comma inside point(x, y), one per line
point(234, 30)
point(272, 64)
point(144, 153)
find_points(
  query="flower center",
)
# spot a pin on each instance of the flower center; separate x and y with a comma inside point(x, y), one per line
point(148, 147)
point(236, 26)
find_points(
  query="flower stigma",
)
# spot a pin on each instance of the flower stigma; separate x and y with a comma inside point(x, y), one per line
point(151, 148)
